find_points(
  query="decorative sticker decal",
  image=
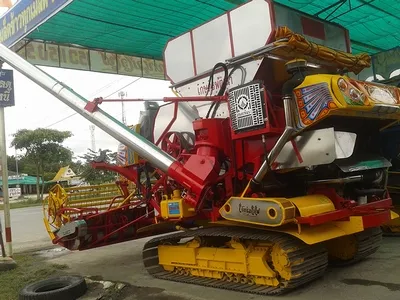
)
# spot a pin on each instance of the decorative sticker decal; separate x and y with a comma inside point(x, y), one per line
point(313, 102)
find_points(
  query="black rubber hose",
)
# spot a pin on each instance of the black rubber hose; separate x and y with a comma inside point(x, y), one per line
point(223, 86)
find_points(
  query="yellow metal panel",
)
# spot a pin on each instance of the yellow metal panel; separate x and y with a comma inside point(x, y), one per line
point(350, 227)
point(257, 264)
point(310, 234)
point(313, 204)
point(259, 211)
point(219, 254)
point(394, 215)
point(213, 262)
point(169, 254)
point(90, 187)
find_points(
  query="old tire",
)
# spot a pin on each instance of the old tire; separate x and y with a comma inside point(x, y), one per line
point(57, 288)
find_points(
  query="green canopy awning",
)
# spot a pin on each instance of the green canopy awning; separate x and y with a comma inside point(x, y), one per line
point(140, 29)
point(24, 180)
point(143, 27)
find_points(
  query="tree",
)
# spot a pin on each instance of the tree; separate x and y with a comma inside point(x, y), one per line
point(43, 148)
point(24, 166)
point(11, 163)
point(78, 166)
point(96, 176)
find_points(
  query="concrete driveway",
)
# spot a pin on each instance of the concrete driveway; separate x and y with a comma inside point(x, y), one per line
point(377, 278)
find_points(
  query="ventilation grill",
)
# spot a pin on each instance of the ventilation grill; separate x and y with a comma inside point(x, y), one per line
point(247, 107)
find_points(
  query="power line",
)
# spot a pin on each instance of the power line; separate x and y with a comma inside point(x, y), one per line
point(62, 120)
point(132, 82)
point(124, 87)
point(105, 87)
point(91, 95)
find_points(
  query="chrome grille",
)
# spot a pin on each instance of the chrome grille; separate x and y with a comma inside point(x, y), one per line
point(246, 107)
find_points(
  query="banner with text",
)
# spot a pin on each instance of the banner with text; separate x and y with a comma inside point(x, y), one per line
point(6, 88)
point(14, 192)
point(25, 16)
point(53, 55)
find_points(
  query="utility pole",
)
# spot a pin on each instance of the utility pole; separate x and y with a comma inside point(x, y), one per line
point(6, 100)
point(122, 94)
point(92, 137)
point(16, 166)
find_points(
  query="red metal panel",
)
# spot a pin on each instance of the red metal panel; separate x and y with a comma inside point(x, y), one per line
point(313, 28)
point(376, 219)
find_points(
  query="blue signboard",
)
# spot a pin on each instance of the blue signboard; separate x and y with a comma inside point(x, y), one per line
point(6, 88)
point(25, 16)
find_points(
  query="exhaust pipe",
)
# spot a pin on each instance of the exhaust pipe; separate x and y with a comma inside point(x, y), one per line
point(104, 121)
point(298, 69)
point(283, 139)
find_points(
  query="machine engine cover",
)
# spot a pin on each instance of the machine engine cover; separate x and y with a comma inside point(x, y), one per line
point(316, 147)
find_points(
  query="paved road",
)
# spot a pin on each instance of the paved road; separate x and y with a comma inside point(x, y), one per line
point(28, 231)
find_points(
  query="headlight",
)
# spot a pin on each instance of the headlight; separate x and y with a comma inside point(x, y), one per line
point(342, 84)
point(355, 95)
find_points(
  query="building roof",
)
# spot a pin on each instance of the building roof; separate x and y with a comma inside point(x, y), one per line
point(23, 180)
point(64, 174)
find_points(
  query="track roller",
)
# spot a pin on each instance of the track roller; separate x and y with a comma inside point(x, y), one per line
point(353, 248)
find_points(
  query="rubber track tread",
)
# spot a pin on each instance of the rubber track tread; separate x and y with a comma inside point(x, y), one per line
point(316, 259)
point(394, 234)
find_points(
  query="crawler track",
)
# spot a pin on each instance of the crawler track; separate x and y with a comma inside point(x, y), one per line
point(368, 242)
point(391, 234)
point(313, 265)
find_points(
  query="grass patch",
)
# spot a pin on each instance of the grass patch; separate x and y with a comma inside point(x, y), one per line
point(23, 203)
point(29, 269)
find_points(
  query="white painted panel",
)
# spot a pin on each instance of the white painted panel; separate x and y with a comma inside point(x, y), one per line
point(178, 58)
point(164, 117)
point(199, 86)
point(211, 43)
point(251, 26)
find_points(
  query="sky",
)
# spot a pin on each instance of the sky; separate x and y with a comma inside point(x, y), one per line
point(36, 108)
